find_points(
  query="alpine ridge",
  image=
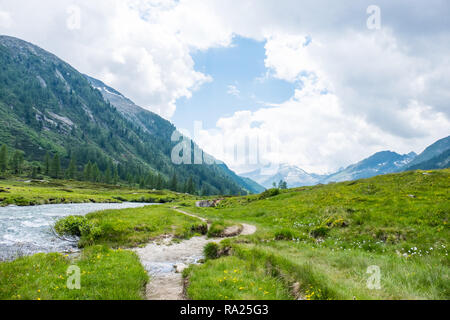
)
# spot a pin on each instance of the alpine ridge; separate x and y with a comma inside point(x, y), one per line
point(48, 107)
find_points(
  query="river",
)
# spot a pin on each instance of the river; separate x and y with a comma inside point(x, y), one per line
point(27, 230)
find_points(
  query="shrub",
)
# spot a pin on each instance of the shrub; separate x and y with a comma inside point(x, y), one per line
point(78, 226)
point(211, 251)
point(71, 226)
point(201, 228)
point(269, 194)
point(285, 234)
point(338, 222)
point(320, 231)
point(216, 230)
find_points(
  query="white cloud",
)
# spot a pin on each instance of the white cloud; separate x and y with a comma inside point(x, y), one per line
point(5, 20)
point(313, 131)
point(142, 56)
point(233, 90)
point(386, 89)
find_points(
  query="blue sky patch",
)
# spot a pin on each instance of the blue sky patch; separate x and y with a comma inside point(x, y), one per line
point(240, 82)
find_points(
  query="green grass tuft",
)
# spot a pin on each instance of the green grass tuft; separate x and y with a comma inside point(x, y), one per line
point(105, 275)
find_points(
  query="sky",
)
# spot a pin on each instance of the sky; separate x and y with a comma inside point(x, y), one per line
point(316, 84)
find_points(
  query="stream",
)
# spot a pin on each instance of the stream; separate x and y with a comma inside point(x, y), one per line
point(27, 230)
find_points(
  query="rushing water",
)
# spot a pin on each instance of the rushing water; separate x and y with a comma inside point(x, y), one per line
point(27, 230)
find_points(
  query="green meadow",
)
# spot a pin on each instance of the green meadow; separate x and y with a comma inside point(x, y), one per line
point(320, 241)
point(38, 192)
point(312, 243)
point(106, 275)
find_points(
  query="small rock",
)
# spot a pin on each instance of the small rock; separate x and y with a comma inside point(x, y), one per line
point(232, 231)
point(179, 268)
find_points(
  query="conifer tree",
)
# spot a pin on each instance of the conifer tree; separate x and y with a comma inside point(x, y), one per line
point(55, 167)
point(34, 172)
point(72, 170)
point(3, 159)
point(159, 182)
point(108, 175)
point(95, 173)
point(174, 183)
point(47, 164)
point(116, 175)
point(16, 162)
point(87, 173)
point(190, 186)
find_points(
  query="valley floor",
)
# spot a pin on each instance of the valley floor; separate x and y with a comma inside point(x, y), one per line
point(381, 238)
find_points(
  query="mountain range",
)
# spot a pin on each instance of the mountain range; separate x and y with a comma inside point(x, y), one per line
point(436, 156)
point(47, 106)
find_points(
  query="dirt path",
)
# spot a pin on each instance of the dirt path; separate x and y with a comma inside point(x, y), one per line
point(190, 214)
point(165, 261)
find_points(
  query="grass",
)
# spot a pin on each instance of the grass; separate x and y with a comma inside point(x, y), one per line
point(105, 275)
point(34, 192)
point(312, 243)
point(325, 237)
point(232, 278)
point(218, 228)
point(133, 227)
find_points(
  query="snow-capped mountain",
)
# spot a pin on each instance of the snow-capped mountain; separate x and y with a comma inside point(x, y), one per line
point(294, 176)
point(380, 163)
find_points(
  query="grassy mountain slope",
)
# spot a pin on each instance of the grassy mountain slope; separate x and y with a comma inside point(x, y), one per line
point(436, 156)
point(46, 105)
point(439, 162)
point(320, 241)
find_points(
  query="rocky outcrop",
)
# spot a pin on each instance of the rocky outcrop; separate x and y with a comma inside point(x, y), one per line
point(208, 203)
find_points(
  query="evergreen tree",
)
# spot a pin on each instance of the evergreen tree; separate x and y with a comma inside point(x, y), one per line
point(116, 175)
point(142, 183)
point(17, 161)
point(108, 175)
point(55, 167)
point(150, 182)
point(87, 172)
point(72, 170)
point(95, 173)
point(282, 185)
point(47, 164)
point(34, 172)
point(173, 183)
point(3, 159)
point(159, 182)
point(204, 191)
point(190, 186)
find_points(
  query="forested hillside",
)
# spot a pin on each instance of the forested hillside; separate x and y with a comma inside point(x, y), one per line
point(54, 122)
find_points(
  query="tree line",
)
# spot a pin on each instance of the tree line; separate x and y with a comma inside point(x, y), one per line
point(13, 163)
